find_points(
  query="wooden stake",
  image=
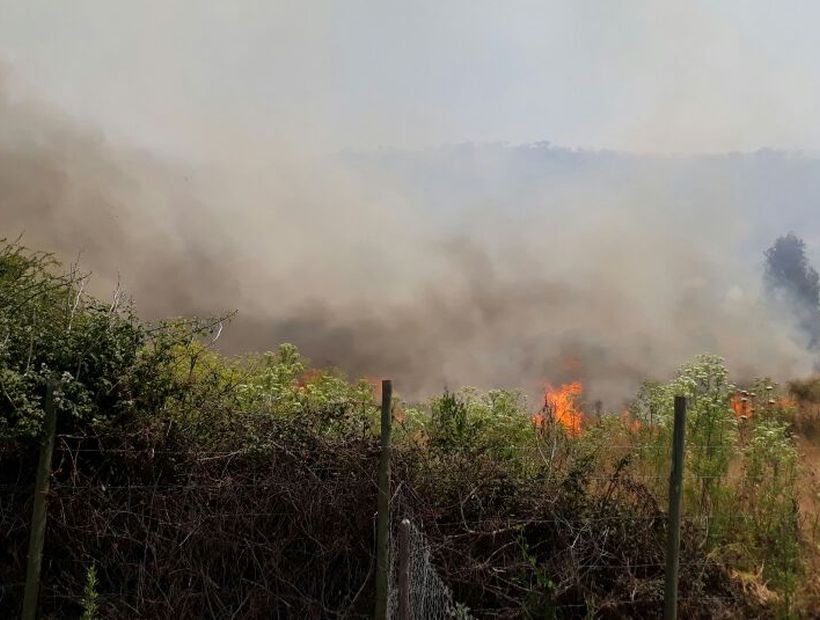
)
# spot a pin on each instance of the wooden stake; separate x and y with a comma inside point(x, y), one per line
point(383, 522)
point(670, 611)
point(39, 514)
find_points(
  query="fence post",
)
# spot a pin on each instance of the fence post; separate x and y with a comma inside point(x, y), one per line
point(38, 518)
point(670, 611)
point(405, 612)
point(383, 522)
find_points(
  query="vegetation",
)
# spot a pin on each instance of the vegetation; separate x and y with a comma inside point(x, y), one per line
point(196, 484)
point(793, 285)
point(90, 606)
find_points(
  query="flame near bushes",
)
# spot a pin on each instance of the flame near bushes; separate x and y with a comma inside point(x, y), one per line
point(561, 407)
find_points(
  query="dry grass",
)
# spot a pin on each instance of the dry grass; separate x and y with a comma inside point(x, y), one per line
point(806, 393)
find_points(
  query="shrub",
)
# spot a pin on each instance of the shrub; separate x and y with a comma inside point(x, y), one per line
point(50, 328)
point(768, 504)
point(90, 596)
point(711, 434)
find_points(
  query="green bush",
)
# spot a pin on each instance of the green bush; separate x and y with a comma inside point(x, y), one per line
point(49, 328)
point(769, 504)
point(282, 384)
point(91, 596)
point(711, 433)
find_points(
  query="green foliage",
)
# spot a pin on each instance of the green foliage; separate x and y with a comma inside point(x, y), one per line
point(769, 503)
point(112, 367)
point(90, 596)
point(49, 327)
point(283, 386)
point(493, 422)
point(751, 517)
point(451, 426)
point(269, 387)
point(711, 432)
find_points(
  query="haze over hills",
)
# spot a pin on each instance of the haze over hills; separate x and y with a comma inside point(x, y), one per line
point(772, 190)
point(185, 150)
point(470, 264)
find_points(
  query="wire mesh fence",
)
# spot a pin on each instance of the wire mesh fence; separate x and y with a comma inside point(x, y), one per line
point(150, 533)
point(426, 593)
point(416, 590)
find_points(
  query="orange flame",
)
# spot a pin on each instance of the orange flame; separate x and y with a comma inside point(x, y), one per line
point(741, 405)
point(632, 425)
point(375, 385)
point(786, 403)
point(560, 405)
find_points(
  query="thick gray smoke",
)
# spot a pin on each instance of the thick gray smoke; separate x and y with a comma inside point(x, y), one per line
point(486, 266)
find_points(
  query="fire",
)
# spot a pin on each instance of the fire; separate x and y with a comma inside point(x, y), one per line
point(560, 405)
point(741, 405)
point(376, 385)
point(632, 425)
point(786, 403)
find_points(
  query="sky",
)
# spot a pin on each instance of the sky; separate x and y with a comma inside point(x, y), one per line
point(222, 155)
point(633, 75)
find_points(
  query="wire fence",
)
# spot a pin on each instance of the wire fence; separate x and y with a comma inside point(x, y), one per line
point(137, 521)
point(414, 578)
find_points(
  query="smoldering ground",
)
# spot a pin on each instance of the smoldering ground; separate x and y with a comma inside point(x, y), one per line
point(605, 276)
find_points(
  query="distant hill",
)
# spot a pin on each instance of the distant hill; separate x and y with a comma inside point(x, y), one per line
point(775, 191)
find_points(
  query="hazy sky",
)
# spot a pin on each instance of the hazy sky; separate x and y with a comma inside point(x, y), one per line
point(632, 265)
point(633, 75)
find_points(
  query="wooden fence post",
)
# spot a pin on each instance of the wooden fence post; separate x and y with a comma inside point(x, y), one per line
point(670, 609)
point(383, 522)
point(405, 610)
point(38, 518)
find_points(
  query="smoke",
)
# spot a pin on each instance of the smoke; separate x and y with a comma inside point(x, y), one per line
point(596, 272)
point(793, 286)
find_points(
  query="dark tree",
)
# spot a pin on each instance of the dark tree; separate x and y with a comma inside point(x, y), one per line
point(792, 283)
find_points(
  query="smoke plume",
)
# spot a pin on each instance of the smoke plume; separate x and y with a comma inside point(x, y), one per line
point(603, 270)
